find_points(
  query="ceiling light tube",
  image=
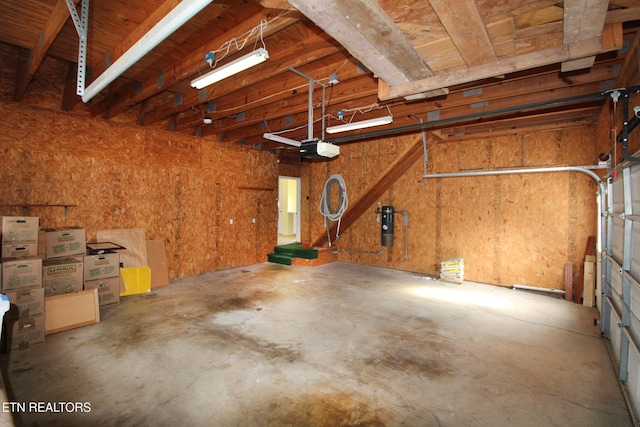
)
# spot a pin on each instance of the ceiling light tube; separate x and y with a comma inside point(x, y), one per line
point(282, 139)
point(361, 124)
point(233, 67)
point(177, 17)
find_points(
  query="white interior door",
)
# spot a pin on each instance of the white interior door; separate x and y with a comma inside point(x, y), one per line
point(288, 209)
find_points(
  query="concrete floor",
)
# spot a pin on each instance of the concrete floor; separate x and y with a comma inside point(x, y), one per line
point(335, 345)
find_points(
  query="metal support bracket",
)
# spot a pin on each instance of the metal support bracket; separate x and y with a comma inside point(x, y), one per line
point(310, 109)
point(82, 26)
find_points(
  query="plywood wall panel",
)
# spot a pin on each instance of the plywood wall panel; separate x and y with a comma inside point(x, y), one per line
point(506, 151)
point(509, 229)
point(580, 143)
point(131, 177)
point(542, 149)
point(474, 154)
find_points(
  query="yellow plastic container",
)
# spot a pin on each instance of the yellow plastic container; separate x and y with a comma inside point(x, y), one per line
point(137, 280)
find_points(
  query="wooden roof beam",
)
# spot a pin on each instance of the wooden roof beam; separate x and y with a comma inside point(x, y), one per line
point(503, 66)
point(316, 47)
point(369, 35)
point(30, 60)
point(583, 20)
point(464, 24)
point(193, 62)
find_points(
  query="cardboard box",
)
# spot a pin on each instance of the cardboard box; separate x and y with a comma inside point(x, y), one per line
point(62, 276)
point(103, 266)
point(65, 242)
point(108, 290)
point(20, 229)
point(42, 244)
point(68, 311)
point(28, 302)
point(21, 273)
point(26, 332)
point(19, 249)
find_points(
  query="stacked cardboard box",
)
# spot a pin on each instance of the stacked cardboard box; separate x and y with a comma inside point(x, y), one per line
point(62, 276)
point(452, 270)
point(102, 272)
point(19, 236)
point(22, 283)
point(63, 242)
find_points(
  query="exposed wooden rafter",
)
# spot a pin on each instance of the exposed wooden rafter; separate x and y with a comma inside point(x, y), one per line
point(441, 60)
point(541, 58)
point(462, 20)
point(30, 60)
point(583, 19)
point(192, 62)
point(370, 35)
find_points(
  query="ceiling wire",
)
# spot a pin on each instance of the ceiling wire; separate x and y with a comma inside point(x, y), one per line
point(226, 46)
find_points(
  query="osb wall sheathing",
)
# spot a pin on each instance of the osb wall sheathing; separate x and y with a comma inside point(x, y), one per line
point(183, 190)
point(510, 229)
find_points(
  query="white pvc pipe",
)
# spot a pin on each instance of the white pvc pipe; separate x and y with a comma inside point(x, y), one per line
point(603, 189)
point(182, 13)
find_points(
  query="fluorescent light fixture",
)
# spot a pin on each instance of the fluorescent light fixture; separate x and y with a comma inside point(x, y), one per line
point(178, 16)
point(233, 67)
point(361, 124)
point(282, 139)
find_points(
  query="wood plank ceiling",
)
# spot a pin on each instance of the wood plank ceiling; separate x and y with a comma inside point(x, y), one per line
point(464, 67)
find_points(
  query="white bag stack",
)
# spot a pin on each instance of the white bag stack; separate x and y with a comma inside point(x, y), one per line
point(452, 270)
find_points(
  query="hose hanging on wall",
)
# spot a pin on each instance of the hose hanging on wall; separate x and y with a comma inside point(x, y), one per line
point(329, 212)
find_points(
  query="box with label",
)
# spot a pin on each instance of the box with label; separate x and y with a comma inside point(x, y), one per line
point(108, 290)
point(19, 249)
point(101, 266)
point(21, 273)
point(65, 242)
point(26, 332)
point(20, 229)
point(28, 302)
point(62, 276)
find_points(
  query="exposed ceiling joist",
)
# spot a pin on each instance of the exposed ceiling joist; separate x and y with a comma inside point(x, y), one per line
point(462, 20)
point(153, 31)
point(271, 68)
point(583, 19)
point(194, 61)
point(473, 54)
point(369, 34)
point(541, 58)
point(30, 60)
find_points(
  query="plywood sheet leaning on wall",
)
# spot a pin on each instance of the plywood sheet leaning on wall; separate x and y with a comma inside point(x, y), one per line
point(157, 259)
point(135, 254)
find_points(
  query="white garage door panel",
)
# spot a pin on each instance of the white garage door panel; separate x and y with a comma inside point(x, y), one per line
point(616, 290)
point(633, 380)
point(635, 190)
point(617, 246)
point(616, 335)
point(624, 286)
point(635, 311)
point(618, 196)
point(635, 249)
